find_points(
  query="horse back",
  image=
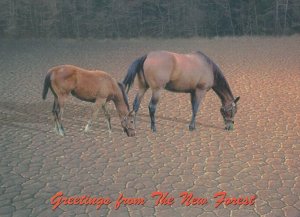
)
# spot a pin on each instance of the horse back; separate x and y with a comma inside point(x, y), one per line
point(84, 84)
point(178, 72)
point(95, 84)
point(158, 68)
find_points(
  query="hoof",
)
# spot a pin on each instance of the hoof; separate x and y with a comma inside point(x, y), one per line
point(229, 128)
point(153, 129)
point(56, 130)
point(59, 130)
point(87, 128)
point(191, 128)
point(62, 133)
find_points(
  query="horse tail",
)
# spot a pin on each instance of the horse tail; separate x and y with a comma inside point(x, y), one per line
point(47, 84)
point(135, 68)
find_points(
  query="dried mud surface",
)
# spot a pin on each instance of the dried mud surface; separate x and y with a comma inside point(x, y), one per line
point(261, 155)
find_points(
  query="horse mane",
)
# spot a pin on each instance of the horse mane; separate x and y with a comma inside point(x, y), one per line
point(220, 83)
point(122, 88)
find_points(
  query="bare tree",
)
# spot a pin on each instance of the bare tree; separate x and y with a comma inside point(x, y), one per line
point(139, 18)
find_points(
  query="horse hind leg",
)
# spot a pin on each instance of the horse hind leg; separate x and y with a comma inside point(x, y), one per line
point(196, 98)
point(55, 111)
point(137, 101)
point(60, 110)
point(138, 98)
point(152, 107)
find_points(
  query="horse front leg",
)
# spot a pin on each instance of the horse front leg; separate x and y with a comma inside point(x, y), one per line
point(196, 98)
point(152, 108)
point(107, 117)
point(95, 112)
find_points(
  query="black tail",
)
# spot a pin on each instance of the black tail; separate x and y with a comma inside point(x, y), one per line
point(134, 68)
point(47, 84)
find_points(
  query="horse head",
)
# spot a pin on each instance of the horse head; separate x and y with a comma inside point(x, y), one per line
point(128, 124)
point(228, 112)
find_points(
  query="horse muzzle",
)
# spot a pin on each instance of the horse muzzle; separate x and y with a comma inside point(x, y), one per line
point(229, 126)
point(129, 132)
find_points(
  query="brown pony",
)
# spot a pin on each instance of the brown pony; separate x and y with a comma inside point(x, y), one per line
point(92, 86)
point(192, 73)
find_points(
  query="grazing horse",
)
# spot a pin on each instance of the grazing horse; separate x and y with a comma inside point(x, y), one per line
point(91, 86)
point(193, 73)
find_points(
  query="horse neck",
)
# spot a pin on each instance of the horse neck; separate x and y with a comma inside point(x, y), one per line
point(225, 98)
point(120, 104)
point(222, 89)
point(121, 108)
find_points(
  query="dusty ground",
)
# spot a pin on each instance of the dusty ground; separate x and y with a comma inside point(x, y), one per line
point(260, 157)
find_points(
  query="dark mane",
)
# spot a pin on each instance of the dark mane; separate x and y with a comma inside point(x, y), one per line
point(121, 86)
point(221, 86)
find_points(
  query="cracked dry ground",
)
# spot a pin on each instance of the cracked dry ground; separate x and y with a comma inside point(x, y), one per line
point(261, 156)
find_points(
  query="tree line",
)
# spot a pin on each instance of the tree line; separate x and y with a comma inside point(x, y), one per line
point(147, 18)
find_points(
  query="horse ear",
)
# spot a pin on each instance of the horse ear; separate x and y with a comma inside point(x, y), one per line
point(121, 85)
point(236, 99)
point(130, 113)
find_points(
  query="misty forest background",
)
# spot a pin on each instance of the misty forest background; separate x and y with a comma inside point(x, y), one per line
point(147, 18)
